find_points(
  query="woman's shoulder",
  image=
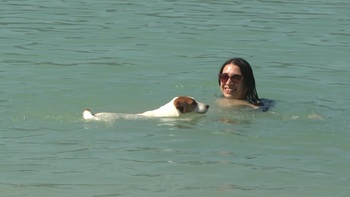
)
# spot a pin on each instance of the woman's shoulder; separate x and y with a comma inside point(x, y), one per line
point(226, 102)
point(263, 105)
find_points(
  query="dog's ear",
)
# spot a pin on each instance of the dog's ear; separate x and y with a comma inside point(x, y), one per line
point(183, 104)
point(180, 105)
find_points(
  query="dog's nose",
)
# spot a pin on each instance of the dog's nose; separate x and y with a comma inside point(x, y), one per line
point(207, 106)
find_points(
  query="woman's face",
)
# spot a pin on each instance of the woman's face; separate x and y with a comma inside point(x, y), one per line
point(232, 83)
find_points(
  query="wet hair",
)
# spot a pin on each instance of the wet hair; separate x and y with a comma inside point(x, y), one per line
point(248, 77)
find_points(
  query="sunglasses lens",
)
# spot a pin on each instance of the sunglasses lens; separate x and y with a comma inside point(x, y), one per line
point(224, 77)
point(236, 77)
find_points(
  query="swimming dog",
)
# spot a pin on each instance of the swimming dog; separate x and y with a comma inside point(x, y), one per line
point(174, 108)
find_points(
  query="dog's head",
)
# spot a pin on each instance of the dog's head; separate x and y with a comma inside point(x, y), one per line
point(186, 104)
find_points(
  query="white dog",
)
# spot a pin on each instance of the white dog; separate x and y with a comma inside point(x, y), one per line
point(176, 107)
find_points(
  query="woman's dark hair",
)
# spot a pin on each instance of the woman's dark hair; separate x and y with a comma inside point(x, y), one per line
point(248, 77)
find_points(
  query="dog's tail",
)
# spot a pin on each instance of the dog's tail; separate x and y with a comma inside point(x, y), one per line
point(87, 115)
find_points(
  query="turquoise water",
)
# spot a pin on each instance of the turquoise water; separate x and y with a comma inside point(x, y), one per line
point(59, 57)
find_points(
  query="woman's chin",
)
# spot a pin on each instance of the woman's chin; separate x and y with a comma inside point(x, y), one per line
point(230, 96)
point(232, 93)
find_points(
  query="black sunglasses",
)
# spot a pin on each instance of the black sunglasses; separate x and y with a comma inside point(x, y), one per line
point(235, 78)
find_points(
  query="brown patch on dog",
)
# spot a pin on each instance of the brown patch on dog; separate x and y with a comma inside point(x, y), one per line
point(185, 104)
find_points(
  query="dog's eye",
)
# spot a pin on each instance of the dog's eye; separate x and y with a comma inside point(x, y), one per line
point(194, 102)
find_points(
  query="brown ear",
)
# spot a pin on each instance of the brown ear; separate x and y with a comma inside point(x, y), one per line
point(180, 105)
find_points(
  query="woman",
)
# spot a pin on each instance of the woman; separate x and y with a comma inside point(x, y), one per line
point(237, 84)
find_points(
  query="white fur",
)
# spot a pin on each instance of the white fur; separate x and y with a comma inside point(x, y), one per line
point(167, 110)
